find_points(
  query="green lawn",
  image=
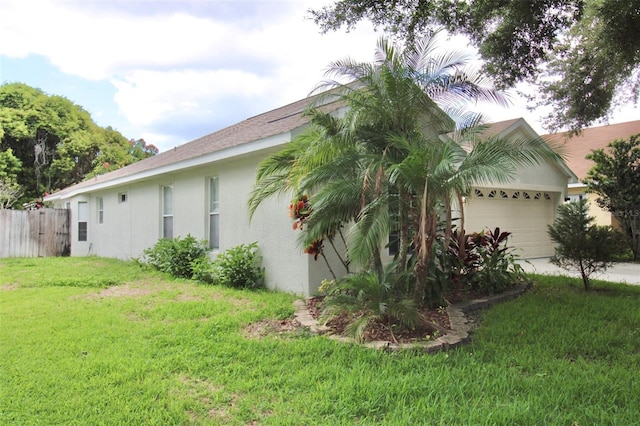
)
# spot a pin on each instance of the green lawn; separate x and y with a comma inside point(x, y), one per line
point(92, 341)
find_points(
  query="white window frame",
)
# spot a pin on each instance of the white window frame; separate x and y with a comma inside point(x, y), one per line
point(213, 224)
point(122, 197)
point(83, 216)
point(100, 209)
point(166, 211)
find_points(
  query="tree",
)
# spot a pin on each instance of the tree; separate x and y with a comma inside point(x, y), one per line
point(584, 55)
point(615, 178)
point(387, 153)
point(55, 140)
point(10, 190)
point(581, 245)
point(140, 149)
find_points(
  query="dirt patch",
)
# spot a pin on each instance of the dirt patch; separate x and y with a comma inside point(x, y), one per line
point(188, 298)
point(264, 328)
point(9, 287)
point(126, 290)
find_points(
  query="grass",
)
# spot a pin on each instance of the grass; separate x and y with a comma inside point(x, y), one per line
point(103, 342)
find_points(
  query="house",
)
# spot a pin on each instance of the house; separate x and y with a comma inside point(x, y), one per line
point(577, 147)
point(201, 188)
point(526, 205)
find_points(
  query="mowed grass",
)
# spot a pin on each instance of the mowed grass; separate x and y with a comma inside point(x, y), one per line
point(103, 342)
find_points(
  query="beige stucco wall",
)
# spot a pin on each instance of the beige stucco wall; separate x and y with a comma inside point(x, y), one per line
point(602, 217)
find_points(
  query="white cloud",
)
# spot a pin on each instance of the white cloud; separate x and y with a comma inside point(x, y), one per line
point(146, 97)
point(174, 70)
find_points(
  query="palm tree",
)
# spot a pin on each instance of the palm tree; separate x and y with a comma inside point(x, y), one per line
point(404, 142)
point(439, 172)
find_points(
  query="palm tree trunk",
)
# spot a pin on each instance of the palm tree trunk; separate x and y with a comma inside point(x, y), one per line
point(461, 232)
point(425, 238)
point(404, 240)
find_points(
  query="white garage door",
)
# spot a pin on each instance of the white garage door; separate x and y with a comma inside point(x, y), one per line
point(525, 214)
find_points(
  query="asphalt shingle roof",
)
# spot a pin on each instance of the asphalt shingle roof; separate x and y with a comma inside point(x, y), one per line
point(274, 122)
point(577, 147)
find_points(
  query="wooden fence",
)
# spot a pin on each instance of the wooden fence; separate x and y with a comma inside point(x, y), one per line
point(34, 233)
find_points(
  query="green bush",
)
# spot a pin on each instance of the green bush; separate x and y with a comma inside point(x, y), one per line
point(175, 256)
point(238, 267)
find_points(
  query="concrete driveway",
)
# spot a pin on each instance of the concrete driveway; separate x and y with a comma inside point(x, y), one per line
point(620, 272)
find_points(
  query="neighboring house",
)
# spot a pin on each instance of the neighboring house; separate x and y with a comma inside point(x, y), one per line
point(576, 148)
point(201, 188)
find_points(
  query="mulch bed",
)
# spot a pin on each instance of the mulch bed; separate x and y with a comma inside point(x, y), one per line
point(435, 324)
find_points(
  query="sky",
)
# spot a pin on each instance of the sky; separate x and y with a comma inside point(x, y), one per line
point(170, 71)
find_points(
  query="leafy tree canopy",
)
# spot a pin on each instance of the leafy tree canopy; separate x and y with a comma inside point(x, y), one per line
point(56, 142)
point(615, 178)
point(584, 55)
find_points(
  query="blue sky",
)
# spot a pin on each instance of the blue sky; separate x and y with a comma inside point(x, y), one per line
point(170, 71)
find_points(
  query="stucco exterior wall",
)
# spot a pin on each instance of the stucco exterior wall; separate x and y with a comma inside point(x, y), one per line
point(602, 217)
point(132, 226)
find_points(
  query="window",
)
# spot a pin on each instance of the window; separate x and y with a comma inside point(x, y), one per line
point(214, 213)
point(100, 204)
point(167, 212)
point(83, 211)
point(122, 197)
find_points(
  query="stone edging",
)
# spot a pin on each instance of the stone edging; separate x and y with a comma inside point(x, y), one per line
point(458, 320)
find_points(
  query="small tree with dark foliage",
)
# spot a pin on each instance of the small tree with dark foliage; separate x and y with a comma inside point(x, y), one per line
point(581, 245)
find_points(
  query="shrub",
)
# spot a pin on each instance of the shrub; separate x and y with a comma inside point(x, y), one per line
point(239, 267)
point(484, 261)
point(497, 268)
point(203, 270)
point(175, 256)
point(582, 245)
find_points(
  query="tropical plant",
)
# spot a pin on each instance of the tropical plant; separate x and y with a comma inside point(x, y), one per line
point(386, 153)
point(496, 267)
point(581, 245)
point(370, 298)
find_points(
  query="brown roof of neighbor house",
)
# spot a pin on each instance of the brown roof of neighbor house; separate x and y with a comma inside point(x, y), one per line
point(577, 147)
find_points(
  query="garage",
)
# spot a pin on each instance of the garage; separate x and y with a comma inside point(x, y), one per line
point(526, 214)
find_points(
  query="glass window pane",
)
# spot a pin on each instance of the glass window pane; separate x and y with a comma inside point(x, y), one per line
point(214, 231)
point(214, 195)
point(83, 211)
point(167, 202)
point(82, 231)
point(167, 227)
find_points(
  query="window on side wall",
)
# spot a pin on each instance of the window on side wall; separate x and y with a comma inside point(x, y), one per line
point(167, 212)
point(83, 214)
point(100, 205)
point(214, 213)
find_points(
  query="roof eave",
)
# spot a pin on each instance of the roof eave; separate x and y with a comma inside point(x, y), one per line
point(235, 151)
